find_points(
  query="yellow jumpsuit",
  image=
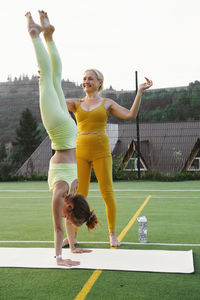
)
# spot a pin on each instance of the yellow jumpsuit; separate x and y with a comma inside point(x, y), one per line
point(94, 150)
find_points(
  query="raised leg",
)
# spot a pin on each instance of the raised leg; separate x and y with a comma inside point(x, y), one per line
point(51, 111)
point(56, 63)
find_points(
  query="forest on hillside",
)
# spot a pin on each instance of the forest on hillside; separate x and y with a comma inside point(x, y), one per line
point(21, 129)
point(18, 94)
point(158, 105)
point(164, 105)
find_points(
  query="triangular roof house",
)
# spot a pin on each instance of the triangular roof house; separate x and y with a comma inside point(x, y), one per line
point(168, 147)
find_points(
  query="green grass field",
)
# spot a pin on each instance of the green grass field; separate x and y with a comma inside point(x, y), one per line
point(173, 214)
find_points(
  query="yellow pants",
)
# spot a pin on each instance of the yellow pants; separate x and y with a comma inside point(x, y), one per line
point(94, 150)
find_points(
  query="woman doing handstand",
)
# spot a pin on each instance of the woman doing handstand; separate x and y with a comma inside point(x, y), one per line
point(62, 130)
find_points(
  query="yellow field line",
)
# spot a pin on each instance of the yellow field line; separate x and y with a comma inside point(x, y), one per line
point(95, 275)
point(131, 222)
point(88, 285)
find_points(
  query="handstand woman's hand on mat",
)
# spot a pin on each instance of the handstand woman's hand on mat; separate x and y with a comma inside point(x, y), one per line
point(62, 130)
point(66, 262)
point(80, 250)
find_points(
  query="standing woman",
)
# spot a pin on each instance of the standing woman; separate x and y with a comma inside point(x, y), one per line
point(93, 148)
point(62, 130)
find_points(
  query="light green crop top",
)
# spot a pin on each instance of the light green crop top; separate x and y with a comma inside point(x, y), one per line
point(61, 172)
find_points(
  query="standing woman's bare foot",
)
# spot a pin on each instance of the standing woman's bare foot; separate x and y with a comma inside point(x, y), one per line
point(47, 28)
point(33, 28)
point(113, 240)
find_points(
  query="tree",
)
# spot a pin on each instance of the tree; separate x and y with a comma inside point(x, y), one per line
point(27, 139)
point(3, 153)
point(156, 115)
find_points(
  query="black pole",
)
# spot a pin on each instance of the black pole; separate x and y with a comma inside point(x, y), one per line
point(138, 129)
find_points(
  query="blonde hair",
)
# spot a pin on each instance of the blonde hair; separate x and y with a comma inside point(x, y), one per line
point(99, 76)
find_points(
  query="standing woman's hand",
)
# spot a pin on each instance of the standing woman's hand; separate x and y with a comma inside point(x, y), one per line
point(146, 85)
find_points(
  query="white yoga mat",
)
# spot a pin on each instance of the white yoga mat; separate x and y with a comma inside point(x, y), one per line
point(103, 259)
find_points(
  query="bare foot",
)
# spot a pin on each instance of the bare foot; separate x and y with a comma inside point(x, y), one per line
point(33, 28)
point(47, 28)
point(113, 240)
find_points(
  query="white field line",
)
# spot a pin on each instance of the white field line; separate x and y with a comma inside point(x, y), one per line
point(117, 197)
point(89, 242)
point(144, 190)
point(25, 191)
point(97, 190)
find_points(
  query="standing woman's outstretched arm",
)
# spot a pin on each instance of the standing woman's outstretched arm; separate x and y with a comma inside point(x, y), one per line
point(124, 113)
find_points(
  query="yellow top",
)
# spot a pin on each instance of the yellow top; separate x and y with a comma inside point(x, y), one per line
point(93, 120)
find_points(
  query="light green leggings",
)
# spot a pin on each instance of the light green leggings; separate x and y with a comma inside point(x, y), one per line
point(59, 124)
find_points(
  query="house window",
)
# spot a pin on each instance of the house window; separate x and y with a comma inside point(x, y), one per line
point(132, 165)
point(195, 165)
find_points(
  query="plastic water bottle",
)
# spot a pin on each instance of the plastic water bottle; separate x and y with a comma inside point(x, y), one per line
point(142, 229)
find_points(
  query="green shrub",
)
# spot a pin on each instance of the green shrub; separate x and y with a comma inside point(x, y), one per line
point(5, 171)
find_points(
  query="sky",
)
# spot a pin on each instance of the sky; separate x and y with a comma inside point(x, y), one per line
point(158, 39)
